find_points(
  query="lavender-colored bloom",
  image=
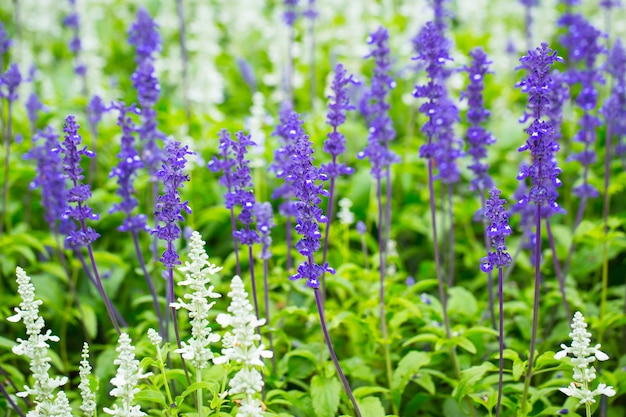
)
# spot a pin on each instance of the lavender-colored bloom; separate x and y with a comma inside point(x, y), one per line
point(543, 170)
point(264, 223)
point(146, 83)
point(609, 4)
point(497, 231)
point(339, 104)
point(144, 36)
point(614, 109)
point(50, 178)
point(433, 49)
point(225, 163)
point(72, 21)
point(310, 12)
point(5, 41)
point(126, 171)
point(168, 206)
point(95, 110)
point(305, 179)
point(440, 14)
point(361, 228)
point(375, 108)
point(78, 193)
point(290, 15)
point(247, 73)
point(477, 136)
point(286, 130)
point(9, 83)
point(34, 106)
point(243, 194)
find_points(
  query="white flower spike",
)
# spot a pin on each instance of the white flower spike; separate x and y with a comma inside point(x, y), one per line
point(582, 357)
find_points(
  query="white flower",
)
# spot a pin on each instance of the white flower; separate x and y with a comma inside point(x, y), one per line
point(125, 380)
point(154, 337)
point(241, 346)
point(197, 277)
point(582, 357)
point(89, 399)
point(345, 215)
point(36, 346)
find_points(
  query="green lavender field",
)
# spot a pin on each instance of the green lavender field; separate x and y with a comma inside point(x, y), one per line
point(313, 208)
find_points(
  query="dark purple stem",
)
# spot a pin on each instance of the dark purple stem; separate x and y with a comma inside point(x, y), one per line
point(489, 275)
point(170, 283)
point(451, 237)
point(252, 278)
point(501, 337)
point(233, 226)
point(155, 298)
point(10, 401)
point(557, 269)
point(346, 385)
point(266, 295)
point(7, 158)
point(329, 210)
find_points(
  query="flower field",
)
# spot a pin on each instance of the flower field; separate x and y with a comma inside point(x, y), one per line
point(313, 208)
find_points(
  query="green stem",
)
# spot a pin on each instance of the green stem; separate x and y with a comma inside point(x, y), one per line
point(199, 392)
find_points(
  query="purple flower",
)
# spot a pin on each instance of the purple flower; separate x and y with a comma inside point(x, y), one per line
point(609, 4)
point(9, 82)
point(477, 136)
point(5, 41)
point(543, 170)
point(78, 193)
point(243, 194)
point(440, 14)
point(614, 109)
point(50, 178)
point(361, 228)
point(95, 109)
point(247, 72)
point(443, 146)
point(375, 108)
point(338, 105)
point(168, 207)
point(146, 83)
point(497, 231)
point(225, 163)
point(126, 171)
point(290, 15)
point(144, 36)
point(287, 131)
point(264, 223)
point(33, 106)
point(310, 12)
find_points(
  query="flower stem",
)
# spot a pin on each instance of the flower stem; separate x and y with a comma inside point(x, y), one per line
point(155, 299)
point(253, 280)
point(233, 226)
point(7, 159)
point(346, 385)
point(557, 269)
point(10, 401)
point(329, 210)
point(606, 206)
point(199, 393)
point(501, 339)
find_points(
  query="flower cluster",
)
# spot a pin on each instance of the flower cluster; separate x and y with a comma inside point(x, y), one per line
point(543, 170)
point(286, 129)
point(345, 216)
point(50, 179)
point(264, 223)
point(35, 348)
point(198, 278)
point(432, 49)
point(72, 22)
point(125, 380)
point(5, 42)
point(78, 193)
point(88, 396)
point(95, 110)
point(168, 206)
point(477, 136)
point(339, 104)
point(582, 357)
point(242, 346)
point(143, 35)
point(290, 15)
point(614, 108)
point(375, 108)
point(497, 231)
point(9, 82)
point(126, 171)
point(34, 106)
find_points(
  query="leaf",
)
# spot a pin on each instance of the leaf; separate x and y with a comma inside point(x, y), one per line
point(192, 388)
point(90, 319)
point(151, 395)
point(425, 381)
point(361, 392)
point(325, 395)
point(421, 338)
point(371, 407)
point(518, 368)
point(464, 343)
point(462, 302)
point(408, 366)
point(470, 378)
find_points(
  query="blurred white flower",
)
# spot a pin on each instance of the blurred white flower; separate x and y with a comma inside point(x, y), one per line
point(345, 215)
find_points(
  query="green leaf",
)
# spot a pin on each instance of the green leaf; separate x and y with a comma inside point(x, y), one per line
point(464, 343)
point(194, 387)
point(371, 407)
point(361, 392)
point(90, 319)
point(151, 395)
point(325, 395)
point(462, 302)
point(408, 366)
point(518, 368)
point(470, 378)
point(425, 381)
point(421, 338)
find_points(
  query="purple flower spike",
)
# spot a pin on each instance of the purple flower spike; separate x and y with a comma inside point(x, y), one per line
point(615, 107)
point(144, 36)
point(339, 104)
point(265, 223)
point(609, 4)
point(95, 110)
point(243, 194)
point(34, 106)
point(290, 15)
point(9, 83)
point(543, 170)
point(168, 206)
point(497, 231)
point(477, 137)
point(126, 171)
point(375, 108)
point(78, 193)
point(5, 41)
point(146, 83)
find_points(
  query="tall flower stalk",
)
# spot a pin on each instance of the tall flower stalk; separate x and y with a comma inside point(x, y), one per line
point(497, 230)
point(79, 193)
point(126, 172)
point(304, 179)
point(543, 171)
point(375, 109)
point(335, 144)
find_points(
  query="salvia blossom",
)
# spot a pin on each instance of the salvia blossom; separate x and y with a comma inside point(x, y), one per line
point(50, 179)
point(361, 228)
point(197, 351)
point(88, 406)
point(72, 22)
point(168, 206)
point(126, 171)
point(264, 223)
point(583, 41)
point(477, 136)
point(225, 163)
point(34, 106)
point(497, 230)
point(125, 380)
point(247, 73)
point(35, 348)
point(609, 4)
point(339, 104)
point(9, 83)
point(144, 36)
point(543, 170)
point(243, 194)
point(290, 14)
point(286, 129)
point(78, 193)
point(375, 108)
point(242, 346)
point(5, 41)
point(443, 146)
point(95, 110)
point(310, 12)
point(614, 109)
point(582, 357)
